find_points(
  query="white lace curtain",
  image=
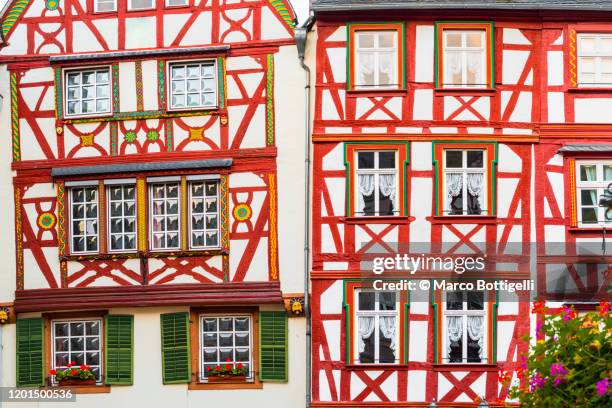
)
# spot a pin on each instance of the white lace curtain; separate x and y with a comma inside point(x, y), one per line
point(475, 330)
point(386, 67)
point(387, 328)
point(366, 329)
point(454, 184)
point(474, 67)
point(366, 68)
point(388, 188)
point(366, 188)
point(453, 59)
point(454, 331)
point(474, 183)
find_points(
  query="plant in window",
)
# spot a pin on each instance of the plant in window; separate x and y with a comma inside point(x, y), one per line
point(570, 363)
point(73, 375)
point(227, 370)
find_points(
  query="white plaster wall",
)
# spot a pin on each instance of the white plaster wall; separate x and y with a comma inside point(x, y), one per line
point(148, 389)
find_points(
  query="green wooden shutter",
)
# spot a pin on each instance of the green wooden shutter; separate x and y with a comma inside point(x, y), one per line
point(273, 346)
point(30, 352)
point(176, 358)
point(119, 349)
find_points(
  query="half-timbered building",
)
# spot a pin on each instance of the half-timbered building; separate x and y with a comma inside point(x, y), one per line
point(453, 124)
point(153, 231)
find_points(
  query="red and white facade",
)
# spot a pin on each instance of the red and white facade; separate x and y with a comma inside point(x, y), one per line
point(144, 169)
point(445, 127)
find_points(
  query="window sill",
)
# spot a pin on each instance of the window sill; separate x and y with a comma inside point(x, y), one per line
point(465, 91)
point(82, 389)
point(152, 254)
point(229, 385)
point(606, 89)
point(588, 230)
point(464, 367)
point(463, 219)
point(385, 219)
point(358, 93)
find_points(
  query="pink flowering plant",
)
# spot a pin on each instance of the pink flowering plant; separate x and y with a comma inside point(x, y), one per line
point(571, 362)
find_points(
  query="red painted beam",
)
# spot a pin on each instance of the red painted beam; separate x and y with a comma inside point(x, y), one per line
point(239, 293)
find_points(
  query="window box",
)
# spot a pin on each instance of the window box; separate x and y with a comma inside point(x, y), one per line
point(78, 383)
point(376, 57)
point(226, 378)
point(464, 56)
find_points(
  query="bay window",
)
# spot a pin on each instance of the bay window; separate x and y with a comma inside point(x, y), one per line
point(376, 325)
point(592, 180)
point(464, 179)
point(464, 327)
point(376, 183)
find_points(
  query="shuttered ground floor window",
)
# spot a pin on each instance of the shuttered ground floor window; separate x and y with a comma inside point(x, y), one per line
point(60, 341)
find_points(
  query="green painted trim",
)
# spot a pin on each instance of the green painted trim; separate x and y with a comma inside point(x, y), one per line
point(152, 114)
point(13, 15)
point(59, 94)
point(16, 138)
point(169, 134)
point(114, 138)
point(115, 73)
point(406, 322)
point(161, 84)
point(494, 329)
point(283, 12)
point(221, 81)
point(403, 50)
point(434, 306)
point(348, 170)
point(493, 177)
point(436, 48)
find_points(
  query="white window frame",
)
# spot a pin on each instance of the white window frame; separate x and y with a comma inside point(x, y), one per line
point(599, 184)
point(377, 172)
point(201, 317)
point(376, 51)
point(464, 50)
point(97, 7)
point(132, 8)
point(83, 185)
point(150, 186)
point(185, 3)
point(377, 314)
point(169, 66)
point(66, 72)
point(101, 340)
point(597, 56)
point(463, 170)
point(465, 313)
point(109, 234)
point(216, 180)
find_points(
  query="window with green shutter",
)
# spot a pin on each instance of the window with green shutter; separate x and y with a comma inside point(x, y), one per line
point(119, 349)
point(273, 346)
point(30, 352)
point(176, 359)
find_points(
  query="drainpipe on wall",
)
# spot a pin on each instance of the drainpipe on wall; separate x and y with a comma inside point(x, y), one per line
point(301, 36)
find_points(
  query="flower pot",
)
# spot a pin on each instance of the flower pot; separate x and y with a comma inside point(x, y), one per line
point(74, 382)
point(226, 378)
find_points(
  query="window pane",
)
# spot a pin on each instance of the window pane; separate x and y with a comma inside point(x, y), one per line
point(365, 39)
point(193, 85)
point(454, 67)
point(586, 44)
point(176, 2)
point(475, 300)
point(386, 300)
point(475, 159)
point(588, 173)
point(386, 39)
point(454, 158)
point(78, 342)
point(387, 194)
point(605, 45)
point(453, 38)
point(454, 338)
point(365, 69)
point(386, 69)
point(475, 337)
point(474, 68)
point(474, 38)
point(386, 160)
point(367, 300)
point(366, 339)
point(387, 343)
point(589, 215)
point(607, 172)
point(365, 160)
point(589, 197)
point(141, 4)
point(454, 300)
